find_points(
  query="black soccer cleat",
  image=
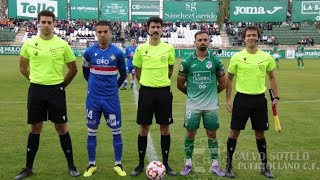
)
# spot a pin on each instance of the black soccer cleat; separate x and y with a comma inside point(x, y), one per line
point(229, 172)
point(26, 172)
point(169, 170)
point(265, 170)
point(137, 171)
point(73, 171)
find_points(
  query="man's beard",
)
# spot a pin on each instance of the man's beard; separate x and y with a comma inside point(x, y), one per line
point(202, 48)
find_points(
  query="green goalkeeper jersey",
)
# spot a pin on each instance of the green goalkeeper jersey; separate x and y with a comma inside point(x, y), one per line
point(201, 81)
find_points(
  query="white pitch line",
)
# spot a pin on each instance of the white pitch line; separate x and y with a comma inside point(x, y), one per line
point(151, 152)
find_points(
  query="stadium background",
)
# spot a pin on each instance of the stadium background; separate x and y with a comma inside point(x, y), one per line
point(294, 153)
point(223, 19)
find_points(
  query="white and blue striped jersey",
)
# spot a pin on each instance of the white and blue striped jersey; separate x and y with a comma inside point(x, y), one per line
point(104, 67)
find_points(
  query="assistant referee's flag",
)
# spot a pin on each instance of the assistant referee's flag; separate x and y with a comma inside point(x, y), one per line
point(275, 113)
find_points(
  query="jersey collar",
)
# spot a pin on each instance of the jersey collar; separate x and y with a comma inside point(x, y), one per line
point(194, 55)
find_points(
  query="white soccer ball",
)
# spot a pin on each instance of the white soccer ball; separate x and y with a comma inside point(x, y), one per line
point(156, 170)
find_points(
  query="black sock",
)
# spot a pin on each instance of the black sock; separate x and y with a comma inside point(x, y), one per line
point(66, 145)
point(262, 148)
point(142, 147)
point(32, 148)
point(231, 146)
point(165, 147)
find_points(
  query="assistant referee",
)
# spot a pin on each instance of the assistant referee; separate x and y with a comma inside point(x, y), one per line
point(42, 59)
point(250, 66)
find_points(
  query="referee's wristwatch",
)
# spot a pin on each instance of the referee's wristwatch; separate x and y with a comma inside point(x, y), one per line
point(278, 98)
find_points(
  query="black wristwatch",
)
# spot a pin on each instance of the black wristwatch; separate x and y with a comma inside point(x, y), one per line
point(277, 98)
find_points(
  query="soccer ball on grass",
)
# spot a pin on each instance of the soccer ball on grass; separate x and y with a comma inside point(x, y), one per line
point(155, 170)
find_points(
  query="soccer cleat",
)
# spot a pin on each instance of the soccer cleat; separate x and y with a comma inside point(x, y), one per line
point(123, 88)
point(186, 170)
point(217, 170)
point(137, 171)
point(118, 168)
point(73, 171)
point(229, 172)
point(169, 170)
point(90, 170)
point(266, 172)
point(24, 174)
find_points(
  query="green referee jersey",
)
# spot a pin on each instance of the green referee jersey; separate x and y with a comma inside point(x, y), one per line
point(47, 59)
point(250, 71)
point(202, 81)
point(154, 61)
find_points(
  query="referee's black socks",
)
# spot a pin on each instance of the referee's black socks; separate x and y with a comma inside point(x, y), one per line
point(165, 147)
point(231, 146)
point(262, 148)
point(142, 147)
point(65, 142)
point(32, 148)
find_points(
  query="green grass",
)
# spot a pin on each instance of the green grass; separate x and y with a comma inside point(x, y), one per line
point(297, 145)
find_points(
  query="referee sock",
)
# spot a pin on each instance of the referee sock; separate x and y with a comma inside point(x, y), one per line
point(32, 148)
point(231, 146)
point(262, 147)
point(165, 147)
point(142, 147)
point(66, 145)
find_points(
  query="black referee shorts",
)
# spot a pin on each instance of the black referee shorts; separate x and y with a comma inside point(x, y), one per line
point(155, 101)
point(47, 102)
point(253, 106)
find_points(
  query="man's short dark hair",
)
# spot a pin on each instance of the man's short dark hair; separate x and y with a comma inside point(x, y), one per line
point(200, 32)
point(155, 19)
point(104, 23)
point(251, 28)
point(46, 13)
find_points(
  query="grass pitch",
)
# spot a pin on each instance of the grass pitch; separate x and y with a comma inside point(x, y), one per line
point(293, 154)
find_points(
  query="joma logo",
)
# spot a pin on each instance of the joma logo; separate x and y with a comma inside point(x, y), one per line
point(255, 10)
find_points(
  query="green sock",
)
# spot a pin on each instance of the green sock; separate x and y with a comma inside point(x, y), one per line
point(302, 63)
point(213, 147)
point(298, 63)
point(188, 147)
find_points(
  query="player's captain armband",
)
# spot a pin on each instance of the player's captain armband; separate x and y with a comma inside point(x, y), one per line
point(86, 63)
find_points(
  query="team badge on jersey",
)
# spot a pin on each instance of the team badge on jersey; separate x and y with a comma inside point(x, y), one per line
point(181, 68)
point(261, 67)
point(54, 53)
point(209, 65)
point(95, 54)
point(163, 59)
point(112, 57)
